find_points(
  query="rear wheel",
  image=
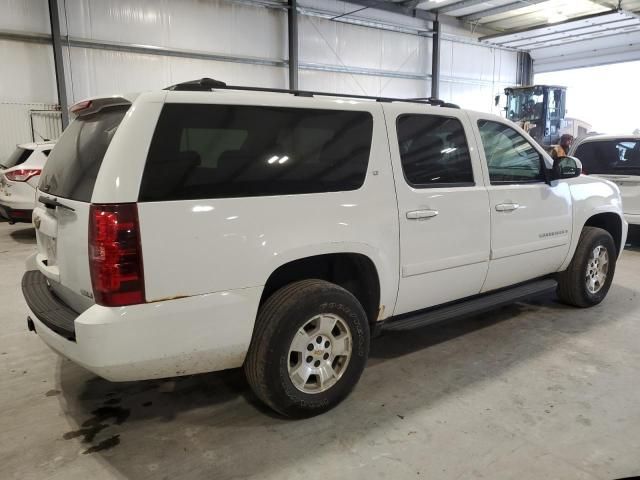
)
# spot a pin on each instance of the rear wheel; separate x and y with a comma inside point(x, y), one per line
point(309, 347)
point(588, 278)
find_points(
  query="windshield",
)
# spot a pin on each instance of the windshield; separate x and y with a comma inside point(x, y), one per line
point(617, 157)
point(18, 157)
point(525, 105)
point(73, 165)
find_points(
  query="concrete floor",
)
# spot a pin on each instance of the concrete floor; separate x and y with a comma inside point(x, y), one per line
point(535, 390)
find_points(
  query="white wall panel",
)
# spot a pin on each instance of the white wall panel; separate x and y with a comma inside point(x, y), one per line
point(213, 26)
point(94, 72)
point(472, 74)
point(362, 84)
point(15, 125)
point(25, 16)
point(27, 72)
point(334, 43)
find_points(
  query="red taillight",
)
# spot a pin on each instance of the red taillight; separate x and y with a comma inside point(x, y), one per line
point(78, 107)
point(23, 174)
point(115, 256)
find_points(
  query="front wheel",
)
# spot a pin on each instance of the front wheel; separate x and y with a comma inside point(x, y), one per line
point(309, 347)
point(588, 278)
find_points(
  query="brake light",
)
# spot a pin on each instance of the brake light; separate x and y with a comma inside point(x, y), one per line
point(115, 256)
point(23, 174)
point(78, 107)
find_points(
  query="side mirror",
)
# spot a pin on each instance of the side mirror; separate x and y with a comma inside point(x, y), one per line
point(497, 100)
point(566, 167)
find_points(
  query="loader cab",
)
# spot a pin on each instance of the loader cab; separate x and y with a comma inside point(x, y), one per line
point(540, 110)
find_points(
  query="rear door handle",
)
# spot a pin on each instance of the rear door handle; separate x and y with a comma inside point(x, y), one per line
point(507, 207)
point(421, 214)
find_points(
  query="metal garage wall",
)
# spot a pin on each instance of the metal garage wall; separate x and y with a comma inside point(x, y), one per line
point(212, 27)
point(400, 62)
point(27, 81)
point(471, 75)
point(106, 49)
point(385, 63)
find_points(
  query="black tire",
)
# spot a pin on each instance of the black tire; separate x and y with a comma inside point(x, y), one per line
point(572, 283)
point(279, 319)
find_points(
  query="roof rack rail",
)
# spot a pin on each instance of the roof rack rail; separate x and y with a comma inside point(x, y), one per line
point(209, 84)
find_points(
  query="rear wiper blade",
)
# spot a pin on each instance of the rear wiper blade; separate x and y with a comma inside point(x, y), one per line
point(53, 202)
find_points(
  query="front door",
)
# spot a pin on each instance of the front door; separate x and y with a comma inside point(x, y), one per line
point(531, 220)
point(443, 206)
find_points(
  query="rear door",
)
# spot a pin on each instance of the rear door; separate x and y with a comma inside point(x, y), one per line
point(443, 206)
point(617, 160)
point(62, 217)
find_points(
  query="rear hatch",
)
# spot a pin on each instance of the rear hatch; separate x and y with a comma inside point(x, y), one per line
point(64, 196)
point(19, 156)
point(617, 160)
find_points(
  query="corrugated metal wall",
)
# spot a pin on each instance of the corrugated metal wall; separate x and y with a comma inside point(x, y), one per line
point(386, 54)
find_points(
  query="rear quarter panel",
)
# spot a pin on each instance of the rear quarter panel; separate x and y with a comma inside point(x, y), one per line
point(196, 247)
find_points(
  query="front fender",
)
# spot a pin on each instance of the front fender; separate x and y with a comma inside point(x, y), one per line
point(592, 196)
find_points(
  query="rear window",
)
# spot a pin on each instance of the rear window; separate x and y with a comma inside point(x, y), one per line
point(18, 157)
point(72, 167)
point(610, 157)
point(222, 151)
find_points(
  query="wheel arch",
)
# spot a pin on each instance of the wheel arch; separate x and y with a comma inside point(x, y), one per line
point(355, 272)
point(610, 222)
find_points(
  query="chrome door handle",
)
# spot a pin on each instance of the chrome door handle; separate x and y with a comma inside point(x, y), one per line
point(421, 214)
point(507, 207)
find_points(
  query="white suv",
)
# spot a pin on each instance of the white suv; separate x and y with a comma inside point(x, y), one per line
point(207, 227)
point(19, 177)
point(616, 158)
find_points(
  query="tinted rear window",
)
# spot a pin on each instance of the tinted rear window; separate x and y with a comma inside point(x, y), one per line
point(18, 157)
point(610, 157)
point(72, 167)
point(221, 151)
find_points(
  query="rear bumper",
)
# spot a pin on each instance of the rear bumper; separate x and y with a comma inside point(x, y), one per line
point(15, 214)
point(163, 339)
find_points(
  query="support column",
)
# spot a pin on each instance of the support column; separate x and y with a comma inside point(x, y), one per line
point(435, 60)
point(524, 75)
point(292, 18)
point(54, 18)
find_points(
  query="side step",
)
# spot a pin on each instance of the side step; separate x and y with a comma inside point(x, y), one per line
point(476, 304)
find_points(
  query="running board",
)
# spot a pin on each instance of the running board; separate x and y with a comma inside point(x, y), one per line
point(476, 304)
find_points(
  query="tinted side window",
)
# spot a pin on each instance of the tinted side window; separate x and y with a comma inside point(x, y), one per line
point(510, 157)
point(610, 156)
point(433, 151)
point(219, 151)
point(73, 165)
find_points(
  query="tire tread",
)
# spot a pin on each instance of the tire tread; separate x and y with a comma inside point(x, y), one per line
point(570, 282)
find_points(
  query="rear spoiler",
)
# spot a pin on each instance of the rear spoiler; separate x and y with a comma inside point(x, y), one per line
point(86, 107)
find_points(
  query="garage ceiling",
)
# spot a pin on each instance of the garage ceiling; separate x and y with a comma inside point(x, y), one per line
point(558, 34)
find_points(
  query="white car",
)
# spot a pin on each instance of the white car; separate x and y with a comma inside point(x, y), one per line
point(19, 177)
point(616, 158)
point(207, 227)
